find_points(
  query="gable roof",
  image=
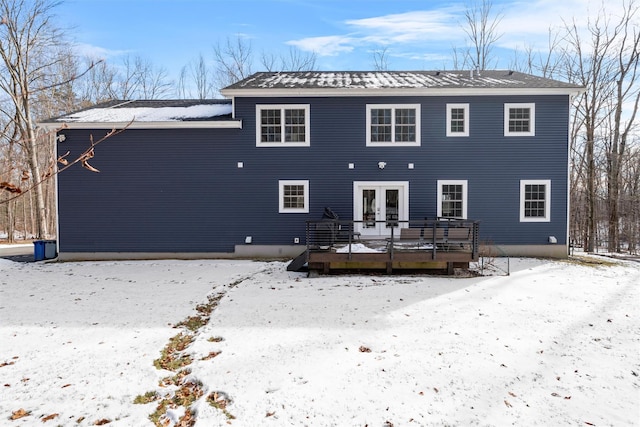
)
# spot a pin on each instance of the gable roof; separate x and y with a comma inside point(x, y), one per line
point(394, 82)
point(150, 114)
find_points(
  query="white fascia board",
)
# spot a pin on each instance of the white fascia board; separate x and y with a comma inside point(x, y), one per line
point(462, 91)
point(222, 124)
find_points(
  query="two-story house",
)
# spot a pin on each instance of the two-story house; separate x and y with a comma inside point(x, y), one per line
point(240, 176)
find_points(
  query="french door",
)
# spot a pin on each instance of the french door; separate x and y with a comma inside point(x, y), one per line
point(380, 205)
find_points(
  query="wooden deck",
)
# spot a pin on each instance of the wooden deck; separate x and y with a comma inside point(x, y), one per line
point(424, 246)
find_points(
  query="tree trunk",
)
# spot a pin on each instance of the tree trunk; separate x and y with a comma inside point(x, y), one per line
point(613, 187)
point(11, 222)
point(591, 230)
point(34, 168)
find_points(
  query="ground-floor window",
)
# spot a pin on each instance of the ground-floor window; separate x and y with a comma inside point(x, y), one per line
point(293, 196)
point(535, 201)
point(452, 199)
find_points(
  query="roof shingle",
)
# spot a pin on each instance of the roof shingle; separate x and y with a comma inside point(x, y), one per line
point(395, 80)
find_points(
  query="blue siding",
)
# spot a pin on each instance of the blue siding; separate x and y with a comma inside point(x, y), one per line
point(180, 190)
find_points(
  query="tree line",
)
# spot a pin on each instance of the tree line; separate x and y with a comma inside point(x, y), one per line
point(41, 78)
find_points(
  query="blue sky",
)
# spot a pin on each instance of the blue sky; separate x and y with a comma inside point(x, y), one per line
point(417, 34)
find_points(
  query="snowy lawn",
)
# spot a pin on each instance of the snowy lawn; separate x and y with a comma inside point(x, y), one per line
point(555, 343)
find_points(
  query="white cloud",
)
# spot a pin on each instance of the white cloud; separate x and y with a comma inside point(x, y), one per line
point(410, 30)
point(441, 24)
point(529, 23)
point(431, 35)
point(96, 52)
point(325, 46)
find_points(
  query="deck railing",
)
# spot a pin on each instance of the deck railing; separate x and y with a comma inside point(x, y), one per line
point(435, 236)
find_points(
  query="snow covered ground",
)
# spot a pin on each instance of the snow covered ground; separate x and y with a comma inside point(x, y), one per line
point(555, 343)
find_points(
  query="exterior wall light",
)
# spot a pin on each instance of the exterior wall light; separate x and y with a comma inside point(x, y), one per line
point(381, 165)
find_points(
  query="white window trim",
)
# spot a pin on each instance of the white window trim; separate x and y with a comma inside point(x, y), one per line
point(281, 185)
point(282, 108)
point(532, 119)
point(465, 107)
point(464, 184)
point(393, 107)
point(547, 199)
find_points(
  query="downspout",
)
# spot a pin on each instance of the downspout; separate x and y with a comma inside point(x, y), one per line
point(570, 99)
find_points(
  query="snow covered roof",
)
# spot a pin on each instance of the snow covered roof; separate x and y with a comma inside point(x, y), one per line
point(151, 113)
point(417, 82)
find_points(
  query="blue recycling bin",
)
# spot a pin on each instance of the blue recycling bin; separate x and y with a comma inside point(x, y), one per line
point(38, 250)
point(44, 249)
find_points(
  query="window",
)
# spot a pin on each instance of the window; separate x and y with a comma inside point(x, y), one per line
point(294, 196)
point(457, 119)
point(282, 125)
point(535, 202)
point(393, 125)
point(519, 120)
point(452, 199)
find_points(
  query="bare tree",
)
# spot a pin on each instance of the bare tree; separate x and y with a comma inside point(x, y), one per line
point(195, 77)
point(97, 85)
point(295, 60)
point(233, 61)
point(546, 63)
point(137, 77)
point(380, 59)
point(591, 71)
point(154, 80)
point(29, 47)
point(630, 200)
point(626, 91)
point(134, 77)
point(606, 65)
point(481, 29)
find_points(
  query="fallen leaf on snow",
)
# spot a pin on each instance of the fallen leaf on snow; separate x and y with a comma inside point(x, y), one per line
point(364, 349)
point(506, 402)
point(102, 422)
point(211, 355)
point(20, 413)
point(49, 417)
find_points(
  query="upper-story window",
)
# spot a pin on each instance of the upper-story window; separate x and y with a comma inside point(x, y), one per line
point(282, 125)
point(519, 119)
point(393, 125)
point(457, 119)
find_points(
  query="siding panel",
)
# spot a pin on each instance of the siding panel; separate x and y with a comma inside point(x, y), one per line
point(181, 190)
